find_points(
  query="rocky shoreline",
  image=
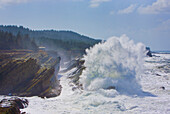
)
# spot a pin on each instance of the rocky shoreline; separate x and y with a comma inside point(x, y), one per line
point(28, 73)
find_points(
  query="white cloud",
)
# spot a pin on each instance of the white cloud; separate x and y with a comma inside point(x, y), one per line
point(96, 3)
point(128, 10)
point(160, 6)
point(7, 2)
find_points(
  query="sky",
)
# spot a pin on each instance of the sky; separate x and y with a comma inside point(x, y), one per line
point(146, 21)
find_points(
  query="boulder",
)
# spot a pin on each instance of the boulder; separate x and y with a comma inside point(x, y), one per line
point(12, 105)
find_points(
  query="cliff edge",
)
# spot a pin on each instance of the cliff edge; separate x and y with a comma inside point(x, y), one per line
point(28, 73)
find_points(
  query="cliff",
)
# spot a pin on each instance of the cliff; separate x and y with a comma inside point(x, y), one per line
point(26, 73)
point(74, 76)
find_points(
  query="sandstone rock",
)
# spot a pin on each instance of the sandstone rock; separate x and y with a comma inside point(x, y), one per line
point(33, 74)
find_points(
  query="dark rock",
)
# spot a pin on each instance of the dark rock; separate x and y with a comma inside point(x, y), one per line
point(73, 64)
point(12, 105)
point(110, 87)
point(158, 74)
point(148, 52)
point(21, 103)
point(35, 74)
point(75, 76)
point(74, 88)
point(162, 87)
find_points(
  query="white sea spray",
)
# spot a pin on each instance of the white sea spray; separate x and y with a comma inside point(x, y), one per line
point(117, 62)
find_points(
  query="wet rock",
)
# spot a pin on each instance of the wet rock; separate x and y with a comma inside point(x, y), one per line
point(12, 105)
point(74, 88)
point(158, 75)
point(163, 88)
point(148, 52)
point(75, 75)
point(74, 63)
point(110, 87)
point(79, 65)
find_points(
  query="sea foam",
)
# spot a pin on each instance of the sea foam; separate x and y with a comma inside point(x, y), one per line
point(116, 62)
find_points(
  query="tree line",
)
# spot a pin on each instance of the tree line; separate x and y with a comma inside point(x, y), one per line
point(9, 41)
point(24, 38)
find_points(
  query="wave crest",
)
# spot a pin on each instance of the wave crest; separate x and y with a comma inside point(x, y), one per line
point(117, 62)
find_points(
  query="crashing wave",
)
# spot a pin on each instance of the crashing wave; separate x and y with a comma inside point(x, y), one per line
point(118, 63)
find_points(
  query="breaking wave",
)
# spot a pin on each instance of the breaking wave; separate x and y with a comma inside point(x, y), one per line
point(118, 63)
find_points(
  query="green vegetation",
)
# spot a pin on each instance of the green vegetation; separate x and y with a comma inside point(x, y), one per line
point(9, 41)
point(54, 40)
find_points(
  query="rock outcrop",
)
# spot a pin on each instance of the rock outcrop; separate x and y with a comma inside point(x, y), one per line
point(75, 75)
point(148, 52)
point(29, 74)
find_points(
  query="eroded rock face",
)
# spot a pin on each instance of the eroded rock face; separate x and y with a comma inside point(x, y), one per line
point(74, 63)
point(12, 105)
point(33, 74)
point(75, 75)
point(16, 72)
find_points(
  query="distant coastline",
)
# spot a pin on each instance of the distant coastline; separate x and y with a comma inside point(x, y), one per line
point(161, 52)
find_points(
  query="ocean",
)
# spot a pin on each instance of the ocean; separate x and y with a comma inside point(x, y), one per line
point(142, 84)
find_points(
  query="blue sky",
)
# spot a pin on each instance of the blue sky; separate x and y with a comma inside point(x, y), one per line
point(146, 21)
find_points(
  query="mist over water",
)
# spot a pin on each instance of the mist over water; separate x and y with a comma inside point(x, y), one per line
point(118, 63)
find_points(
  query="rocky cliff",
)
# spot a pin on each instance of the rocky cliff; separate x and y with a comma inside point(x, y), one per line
point(26, 73)
point(74, 76)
